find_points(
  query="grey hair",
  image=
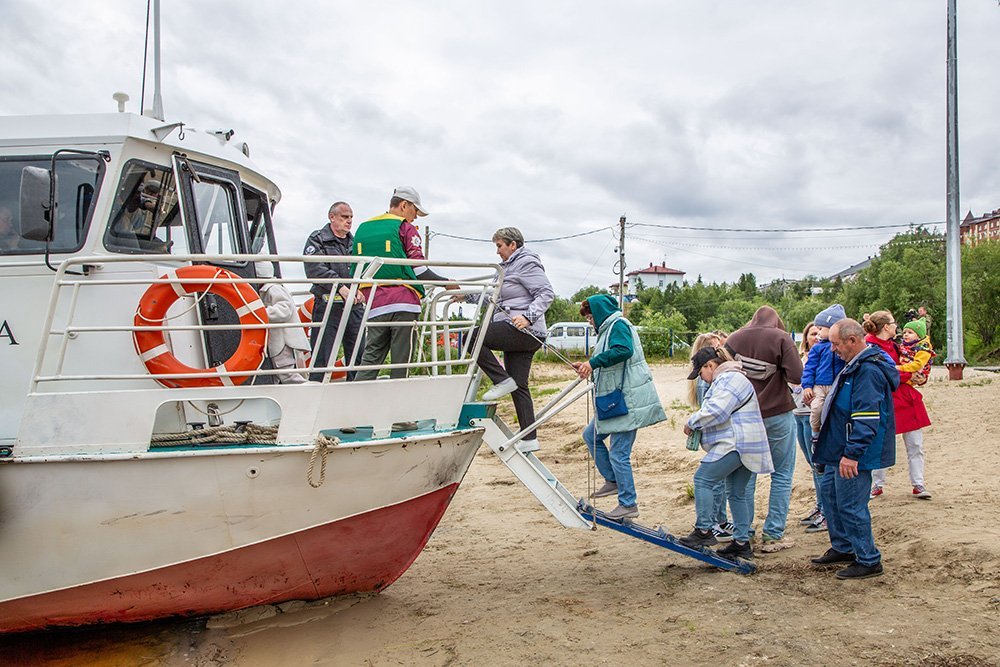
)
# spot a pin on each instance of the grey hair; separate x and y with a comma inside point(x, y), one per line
point(334, 205)
point(509, 235)
point(848, 327)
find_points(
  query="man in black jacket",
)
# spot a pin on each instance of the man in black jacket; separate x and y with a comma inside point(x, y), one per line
point(333, 239)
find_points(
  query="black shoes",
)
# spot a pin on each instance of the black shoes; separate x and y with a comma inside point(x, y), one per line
point(833, 557)
point(859, 571)
point(735, 550)
point(853, 571)
point(699, 538)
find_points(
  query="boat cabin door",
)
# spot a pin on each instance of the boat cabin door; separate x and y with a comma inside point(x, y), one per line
point(224, 217)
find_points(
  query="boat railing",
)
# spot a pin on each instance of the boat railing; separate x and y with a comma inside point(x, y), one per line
point(86, 304)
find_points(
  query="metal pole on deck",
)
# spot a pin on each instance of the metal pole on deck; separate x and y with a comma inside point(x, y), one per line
point(157, 100)
point(955, 360)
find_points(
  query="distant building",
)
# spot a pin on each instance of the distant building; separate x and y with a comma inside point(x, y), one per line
point(785, 284)
point(659, 276)
point(851, 272)
point(985, 228)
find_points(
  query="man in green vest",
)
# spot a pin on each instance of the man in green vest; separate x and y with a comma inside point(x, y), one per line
point(392, 234)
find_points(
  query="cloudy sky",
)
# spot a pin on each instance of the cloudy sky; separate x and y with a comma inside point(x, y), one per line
point(558, 117)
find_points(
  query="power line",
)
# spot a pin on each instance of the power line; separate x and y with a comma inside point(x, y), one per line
point(724, 259)
point(600, 256)
point(554, 238)
point(784, 231)
point(831, 247)
point(713, 230)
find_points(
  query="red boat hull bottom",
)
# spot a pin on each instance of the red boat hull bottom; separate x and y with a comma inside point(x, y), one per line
point(358, 554)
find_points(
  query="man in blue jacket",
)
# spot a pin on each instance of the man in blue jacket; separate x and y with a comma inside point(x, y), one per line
point(857, 436)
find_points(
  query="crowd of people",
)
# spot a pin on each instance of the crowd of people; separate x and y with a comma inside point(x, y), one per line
point(843, 395)
point(839, 398)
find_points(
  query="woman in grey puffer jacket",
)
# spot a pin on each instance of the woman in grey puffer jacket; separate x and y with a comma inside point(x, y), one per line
point(525, 295)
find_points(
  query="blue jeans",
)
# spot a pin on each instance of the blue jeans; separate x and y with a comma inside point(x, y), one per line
point(781, 438)
point(615, 466)
point(719, 503)
point(847, 517)
point(730, 473)
point(803, 432)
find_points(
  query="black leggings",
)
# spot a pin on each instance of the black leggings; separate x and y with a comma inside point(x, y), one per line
point(518, 348)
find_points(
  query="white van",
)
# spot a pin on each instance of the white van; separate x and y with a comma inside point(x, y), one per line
point(571, 336)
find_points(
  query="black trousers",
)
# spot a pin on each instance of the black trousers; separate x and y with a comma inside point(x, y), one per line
point(321, 353)
point(518, 348)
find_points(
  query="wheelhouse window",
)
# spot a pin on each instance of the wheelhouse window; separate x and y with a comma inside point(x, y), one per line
point(216, 210)
point(146, 217)
point(213, 207)
point(78, 180)
point(258, 217)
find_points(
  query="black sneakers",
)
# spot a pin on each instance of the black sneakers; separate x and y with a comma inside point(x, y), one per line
point(810, 518)
point(736, 549)
point(699, 538)
point(859, 571)
point(833, 557)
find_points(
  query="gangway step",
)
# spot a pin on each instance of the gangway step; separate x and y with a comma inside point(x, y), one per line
point(531, 472)
point(662, 538)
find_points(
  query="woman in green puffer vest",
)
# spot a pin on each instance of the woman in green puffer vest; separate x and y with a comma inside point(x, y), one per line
point(619, 362)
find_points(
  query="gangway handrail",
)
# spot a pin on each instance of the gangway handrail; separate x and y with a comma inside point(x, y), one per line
point(551, 410)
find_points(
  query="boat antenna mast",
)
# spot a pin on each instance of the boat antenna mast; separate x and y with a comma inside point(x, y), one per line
point(152, 6)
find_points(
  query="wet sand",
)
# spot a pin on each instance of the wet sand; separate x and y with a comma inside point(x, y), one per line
point(500, 582)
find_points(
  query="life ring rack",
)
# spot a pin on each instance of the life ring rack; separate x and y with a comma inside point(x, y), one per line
point(151, 345)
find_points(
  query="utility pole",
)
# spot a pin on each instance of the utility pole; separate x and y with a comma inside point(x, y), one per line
point(621, 263)
point(955, 360)
point(427, 241)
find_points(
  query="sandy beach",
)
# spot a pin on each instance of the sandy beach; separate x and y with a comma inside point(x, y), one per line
point(500, 582)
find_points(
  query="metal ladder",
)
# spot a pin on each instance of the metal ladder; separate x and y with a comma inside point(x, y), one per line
point(570, 511)
point(661, 538)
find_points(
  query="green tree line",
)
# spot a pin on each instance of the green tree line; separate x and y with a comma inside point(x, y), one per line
point(908, 272)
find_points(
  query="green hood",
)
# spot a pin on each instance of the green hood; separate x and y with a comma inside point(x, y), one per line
point(602, 306)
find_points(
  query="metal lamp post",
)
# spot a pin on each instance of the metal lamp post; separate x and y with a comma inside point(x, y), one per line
point(955, 360)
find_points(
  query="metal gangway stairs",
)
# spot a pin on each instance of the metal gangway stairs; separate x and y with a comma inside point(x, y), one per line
point(570, 511)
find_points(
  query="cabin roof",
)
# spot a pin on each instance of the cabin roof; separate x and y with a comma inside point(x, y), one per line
point(71, 130)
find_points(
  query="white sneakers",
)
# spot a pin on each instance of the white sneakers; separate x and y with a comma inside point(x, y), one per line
point(526, 446)
point(498, 391)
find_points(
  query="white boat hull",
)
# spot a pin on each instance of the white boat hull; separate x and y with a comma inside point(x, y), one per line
point(187, 533)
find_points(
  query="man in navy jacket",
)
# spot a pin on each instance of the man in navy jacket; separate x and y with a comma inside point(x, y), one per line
point(857, 436)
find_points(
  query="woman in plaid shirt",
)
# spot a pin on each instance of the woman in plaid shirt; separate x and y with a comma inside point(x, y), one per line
point(735, 442)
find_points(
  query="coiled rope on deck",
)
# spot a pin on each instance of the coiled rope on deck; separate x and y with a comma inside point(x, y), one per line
point(234, 435)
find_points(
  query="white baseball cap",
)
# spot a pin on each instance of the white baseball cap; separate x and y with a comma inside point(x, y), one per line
point(407, 193)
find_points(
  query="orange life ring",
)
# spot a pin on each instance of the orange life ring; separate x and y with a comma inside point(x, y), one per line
point(152, 346)
point(306, 317)
point(306, 314)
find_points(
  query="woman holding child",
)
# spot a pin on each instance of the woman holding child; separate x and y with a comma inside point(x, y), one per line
point(908, 403)
point(736, 446)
